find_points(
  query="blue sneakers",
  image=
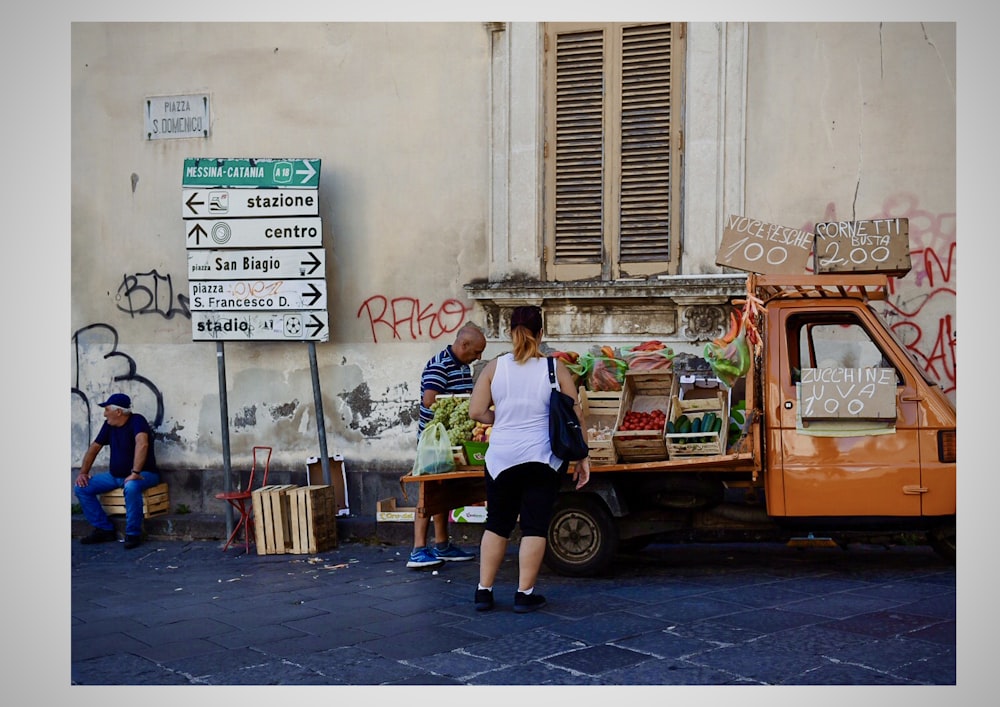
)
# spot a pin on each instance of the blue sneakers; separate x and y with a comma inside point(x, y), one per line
point(452, 554)
point(421, 558)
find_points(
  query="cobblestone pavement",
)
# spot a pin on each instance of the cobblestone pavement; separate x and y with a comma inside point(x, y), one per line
point(187, 613)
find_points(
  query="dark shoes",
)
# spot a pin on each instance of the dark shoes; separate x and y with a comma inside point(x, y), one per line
point(523, 603)
point(98, 535)
point(484, 599)
point(132, 541)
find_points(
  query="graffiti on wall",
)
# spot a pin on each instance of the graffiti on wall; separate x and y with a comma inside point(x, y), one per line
point(151, 293)
point(402, 317)
point(100, 368)
point(921, 306)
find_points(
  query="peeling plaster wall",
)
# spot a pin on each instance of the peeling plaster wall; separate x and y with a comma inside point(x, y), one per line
point(842, 121)
point(397, 114)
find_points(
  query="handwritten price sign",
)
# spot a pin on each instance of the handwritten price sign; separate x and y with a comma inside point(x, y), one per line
point(880, 245)
point(752, 245)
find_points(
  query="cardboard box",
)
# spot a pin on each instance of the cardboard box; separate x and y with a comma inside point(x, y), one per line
point(693, 444)
point(644, 391)
point(600, 412)
point(271, 519)
point(155, 501)
point(338, 480)
point(386, 511)
point(312, 514)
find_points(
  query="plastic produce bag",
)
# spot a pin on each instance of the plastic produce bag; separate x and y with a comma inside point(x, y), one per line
point(729, 357)
point(605, 369)
point(433, 451)
point(649, 356)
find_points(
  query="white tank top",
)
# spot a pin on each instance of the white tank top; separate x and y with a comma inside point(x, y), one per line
point(521, 424)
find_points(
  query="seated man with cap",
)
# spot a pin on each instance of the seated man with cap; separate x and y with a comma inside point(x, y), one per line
point(132, 468)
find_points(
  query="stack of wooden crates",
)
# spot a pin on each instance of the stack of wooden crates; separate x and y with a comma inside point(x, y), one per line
point(299, 520)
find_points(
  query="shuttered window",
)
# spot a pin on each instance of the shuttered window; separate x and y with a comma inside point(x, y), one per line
point(612, 149)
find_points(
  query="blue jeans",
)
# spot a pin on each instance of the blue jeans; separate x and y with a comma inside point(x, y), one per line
point(104, 482)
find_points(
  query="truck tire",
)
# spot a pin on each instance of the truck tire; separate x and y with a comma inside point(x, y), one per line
point(943, 541)
point(582, 537)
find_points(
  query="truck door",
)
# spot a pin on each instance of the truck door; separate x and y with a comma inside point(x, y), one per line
point(844, 466)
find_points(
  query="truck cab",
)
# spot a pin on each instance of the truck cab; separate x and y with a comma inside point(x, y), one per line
point(844, 466)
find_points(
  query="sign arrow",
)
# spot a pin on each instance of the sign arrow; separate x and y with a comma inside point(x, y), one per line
point(309, 171)
point(191, 203)
point(198, 232)
point(312, 296)
point(316, 325)
point(313, 261)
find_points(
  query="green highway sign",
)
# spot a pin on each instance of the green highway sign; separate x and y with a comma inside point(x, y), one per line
point(251, 173)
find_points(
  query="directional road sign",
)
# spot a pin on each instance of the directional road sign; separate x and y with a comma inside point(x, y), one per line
point(248, 203)
point(260, 326)
point(288, 173)
point(257, 295)
point(246, 264)
point(288, 232)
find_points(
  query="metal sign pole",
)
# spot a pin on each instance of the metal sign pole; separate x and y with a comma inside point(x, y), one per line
point(220, 355)
point(320, 421)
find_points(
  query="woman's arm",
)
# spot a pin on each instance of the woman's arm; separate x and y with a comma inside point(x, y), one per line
point(482, 397)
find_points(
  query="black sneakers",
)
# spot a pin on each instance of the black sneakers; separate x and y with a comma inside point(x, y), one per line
point(523, 603)
point(99, 535)
point(132, 541)
point(484, 599)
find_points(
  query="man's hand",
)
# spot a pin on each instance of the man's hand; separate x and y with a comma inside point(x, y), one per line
point(82, 479)
point(581, 473)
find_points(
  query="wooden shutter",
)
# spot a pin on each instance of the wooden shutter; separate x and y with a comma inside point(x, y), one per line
point(611, 184)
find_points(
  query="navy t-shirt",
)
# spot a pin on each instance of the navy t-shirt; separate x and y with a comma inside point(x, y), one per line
point(122, 443)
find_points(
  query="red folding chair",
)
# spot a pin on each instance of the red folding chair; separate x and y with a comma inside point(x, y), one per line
point(242, 500)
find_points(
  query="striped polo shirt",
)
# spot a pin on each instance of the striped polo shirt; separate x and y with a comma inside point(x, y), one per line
point(445, 374)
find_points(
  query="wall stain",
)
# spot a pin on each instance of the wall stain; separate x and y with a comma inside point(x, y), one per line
point(285, 410)
point(248, 418)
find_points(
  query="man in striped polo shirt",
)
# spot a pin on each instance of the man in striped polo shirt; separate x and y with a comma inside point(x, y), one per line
point(448, 372)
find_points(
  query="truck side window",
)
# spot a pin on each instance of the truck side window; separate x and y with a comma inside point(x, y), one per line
point(837, 342)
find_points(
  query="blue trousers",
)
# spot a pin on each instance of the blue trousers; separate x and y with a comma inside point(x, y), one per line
point(103, 482)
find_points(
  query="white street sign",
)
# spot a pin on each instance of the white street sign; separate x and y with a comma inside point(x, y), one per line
point(177, 116)
point(300, 232)
point(243, 264)
point(246, 295)
point(248, 203)
point(260, 326)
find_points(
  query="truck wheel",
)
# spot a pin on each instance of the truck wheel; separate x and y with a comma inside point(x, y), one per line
point(582, 539)
point(943, 541)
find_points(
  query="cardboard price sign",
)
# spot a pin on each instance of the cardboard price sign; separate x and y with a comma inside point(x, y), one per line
point(837, 393)
point(879, 245)
point(758, 247)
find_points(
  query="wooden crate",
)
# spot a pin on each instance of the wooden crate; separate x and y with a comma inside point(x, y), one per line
point(644, 391)
point(386, 511)
point(272, 533)
point(683, 445)
point(600, 411)
point(155, 501)
point(312, 514)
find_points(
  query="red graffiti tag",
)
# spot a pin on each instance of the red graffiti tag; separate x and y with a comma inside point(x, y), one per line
point(405, 316)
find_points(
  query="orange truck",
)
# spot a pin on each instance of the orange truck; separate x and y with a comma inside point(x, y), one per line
point(845, 438)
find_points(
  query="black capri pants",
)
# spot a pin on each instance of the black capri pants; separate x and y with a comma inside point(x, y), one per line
point(527, 490)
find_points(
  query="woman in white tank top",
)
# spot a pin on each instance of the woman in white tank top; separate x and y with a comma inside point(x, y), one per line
point(522, 474)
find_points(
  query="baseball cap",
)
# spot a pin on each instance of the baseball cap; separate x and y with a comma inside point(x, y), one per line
point(119, 399)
